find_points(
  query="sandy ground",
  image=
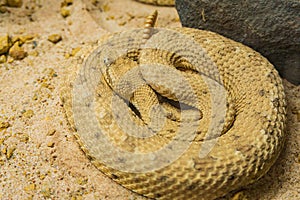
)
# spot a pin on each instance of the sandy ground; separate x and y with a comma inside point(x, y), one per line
point(39, 157)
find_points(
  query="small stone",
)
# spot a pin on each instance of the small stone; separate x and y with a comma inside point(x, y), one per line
point(51, 132)
point(3, 9)
point(25, 38)
point(75, 51)
point(50, 144)
point(17, 52)
point(67, 55)
point(54, 38)
point(4, 44)
point(67, 3)
point(4, 125)
point(14, 3)
point(28, 114)
point(122, 23)
point(2, 59)
point(10, 152)
point(35, 97)
point(65, 12)
point(42, 176)
point(4, 150)
point(21, 39)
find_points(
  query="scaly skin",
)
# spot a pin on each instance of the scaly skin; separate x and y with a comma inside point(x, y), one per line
point(222, 112)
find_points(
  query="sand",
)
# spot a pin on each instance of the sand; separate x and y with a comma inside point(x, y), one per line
point(39, 156)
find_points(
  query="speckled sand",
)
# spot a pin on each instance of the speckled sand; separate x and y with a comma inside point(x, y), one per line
point(39, 157)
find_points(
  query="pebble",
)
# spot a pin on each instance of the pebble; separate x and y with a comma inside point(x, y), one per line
point(75, 51)
point(28, 114)
point(14, 3)
point(65, 12)
point(4, 150)
point(3, 9)
point(67, 2)
point(51, 132)
point(17, 52)
point(24, 38)
point(4, 125)
point(54, 38)
point(4, 44)
point(10, 152)
point(50, 144)
point(2, 59)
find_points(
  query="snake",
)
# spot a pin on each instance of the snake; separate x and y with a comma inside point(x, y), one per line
point(176, 113)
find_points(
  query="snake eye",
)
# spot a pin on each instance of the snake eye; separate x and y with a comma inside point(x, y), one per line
point(107, 61)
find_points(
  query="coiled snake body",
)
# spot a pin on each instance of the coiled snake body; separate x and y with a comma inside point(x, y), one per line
point(180, 114)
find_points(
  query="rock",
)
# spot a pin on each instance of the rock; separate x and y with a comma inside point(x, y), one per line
point(4, 44)
point(25, 38)
point(14, 3)
point(4, 125)
point(65, 12)
point(2, 59)
point(67, 3)
point(75, 51)
point(9, 152)
point(50, 144)
point(3, 9)
point(270, 27)
point(51, 132)
point(21, 39)
point(28, 113)
point(17, 52)
point(54, 38)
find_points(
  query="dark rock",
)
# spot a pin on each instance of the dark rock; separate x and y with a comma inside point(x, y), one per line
point(270, 27)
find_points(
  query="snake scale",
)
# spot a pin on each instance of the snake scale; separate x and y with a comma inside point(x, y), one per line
point(177, 113)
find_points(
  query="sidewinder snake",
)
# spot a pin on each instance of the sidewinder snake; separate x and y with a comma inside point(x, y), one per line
point(177, 113)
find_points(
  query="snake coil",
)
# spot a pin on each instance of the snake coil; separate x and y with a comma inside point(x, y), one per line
point(184, 114)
